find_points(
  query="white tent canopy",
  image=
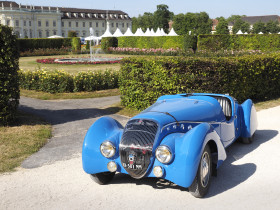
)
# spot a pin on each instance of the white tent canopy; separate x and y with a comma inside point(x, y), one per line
point(148, 32)
point(239, 32)
point(128, 32)
point(55, 36)
point(153, 32)
point(117, 33)
point(158, 32)
point(92, 38)
point(261, 33)
point(139, 32)
point(162, 32)
point(172, 33)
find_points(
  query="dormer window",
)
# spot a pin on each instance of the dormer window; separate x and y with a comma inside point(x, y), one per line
point(76, 15)
point(102, 15)
point(126, 16)
point(83, 15)
point(89, 15)
point(69, 14)
point(116, 16)
point(111, 16)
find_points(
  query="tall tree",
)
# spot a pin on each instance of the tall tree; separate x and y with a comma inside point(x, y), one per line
point(222, 27)
point(259, 27)
point(197, 23)
point(162, 16)
point(273, 27)
point(245, 27)
point(237, 25)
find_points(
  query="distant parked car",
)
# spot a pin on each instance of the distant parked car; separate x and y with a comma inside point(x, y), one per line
point(181, 138)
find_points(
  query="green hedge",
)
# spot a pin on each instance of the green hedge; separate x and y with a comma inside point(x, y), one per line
point(9, 86)
point(142, 81)
point(263, 42)
point(60, 81)
point(31, 44)
point(144, 42)
point(107, 42)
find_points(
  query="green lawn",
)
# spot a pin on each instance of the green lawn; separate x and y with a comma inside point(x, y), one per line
point(22, 139)
point(29, 63)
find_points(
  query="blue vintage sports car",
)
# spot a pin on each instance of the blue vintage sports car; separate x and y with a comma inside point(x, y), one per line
point(180, 138)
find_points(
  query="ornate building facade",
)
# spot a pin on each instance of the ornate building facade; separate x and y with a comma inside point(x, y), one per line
point(41, 22)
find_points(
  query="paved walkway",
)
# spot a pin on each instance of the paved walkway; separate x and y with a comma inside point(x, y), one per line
point(248, 179)
point(71, 120)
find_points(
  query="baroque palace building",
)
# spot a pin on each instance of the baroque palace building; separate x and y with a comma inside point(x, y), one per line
point(41, 22)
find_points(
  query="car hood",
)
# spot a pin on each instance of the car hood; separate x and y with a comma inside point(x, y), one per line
point(192, 108)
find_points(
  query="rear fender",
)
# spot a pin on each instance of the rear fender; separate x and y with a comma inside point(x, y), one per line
point(187, 149)
point(249, 119)
point(105, 128)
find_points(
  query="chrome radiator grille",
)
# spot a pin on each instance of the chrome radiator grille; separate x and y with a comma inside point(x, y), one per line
point(136, 146)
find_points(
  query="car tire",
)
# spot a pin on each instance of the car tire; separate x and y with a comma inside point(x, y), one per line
point(202, 180)
point(247, 140)
point(103, 178)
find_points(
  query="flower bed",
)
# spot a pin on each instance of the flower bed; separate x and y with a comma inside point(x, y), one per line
point(68, 61)
point(151, 51)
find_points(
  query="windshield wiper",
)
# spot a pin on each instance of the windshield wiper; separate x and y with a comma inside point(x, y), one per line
point(167, 113)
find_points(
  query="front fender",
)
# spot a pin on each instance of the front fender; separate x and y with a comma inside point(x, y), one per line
point(105, 128)
point(187, 149)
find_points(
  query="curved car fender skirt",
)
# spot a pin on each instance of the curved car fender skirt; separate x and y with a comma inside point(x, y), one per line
point(187, 150)
point(105, 128)
point(249, 119)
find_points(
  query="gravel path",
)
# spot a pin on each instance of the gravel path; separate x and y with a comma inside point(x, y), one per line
point(71, 120)
point(248, 179)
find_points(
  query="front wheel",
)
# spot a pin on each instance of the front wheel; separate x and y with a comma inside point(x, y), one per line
point(103, 178)
point(202, 180)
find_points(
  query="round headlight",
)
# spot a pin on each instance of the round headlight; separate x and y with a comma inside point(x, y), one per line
point(163, 154)
point(107, 149)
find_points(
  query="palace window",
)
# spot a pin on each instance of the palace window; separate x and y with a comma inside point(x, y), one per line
point(103, 25)
point(40, 34)
point(30, 23)
point(84, 24)
point(54, 32)
point(47, 33)
point(47, 23)
point(77, 24)
point(24, 23)
point(112, 24)
point(39, 24)
point(123, 25)
point(90, 24)
point(8, 22)
point(96, 24)
point(117, 25)
point(54, 23)
point(17, 23)
point(69, 24)
point(62, 24)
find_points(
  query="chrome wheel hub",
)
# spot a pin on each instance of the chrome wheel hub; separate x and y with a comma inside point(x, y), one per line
point(205, 169)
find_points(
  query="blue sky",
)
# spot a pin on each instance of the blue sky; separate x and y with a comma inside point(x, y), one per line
point(215, 8)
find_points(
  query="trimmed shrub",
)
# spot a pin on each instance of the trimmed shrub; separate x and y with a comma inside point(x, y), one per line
point(72, 34)
point(9, 86)
point(97, 80)
point(60, 81)
point(76, 44)
point(32, 44)
point(142, 81)
point(263, 42)
point(109, 42)
point(165, 42)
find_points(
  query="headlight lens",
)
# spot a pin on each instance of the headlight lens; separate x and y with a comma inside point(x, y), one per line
point(107, 149)
point(163, 154)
